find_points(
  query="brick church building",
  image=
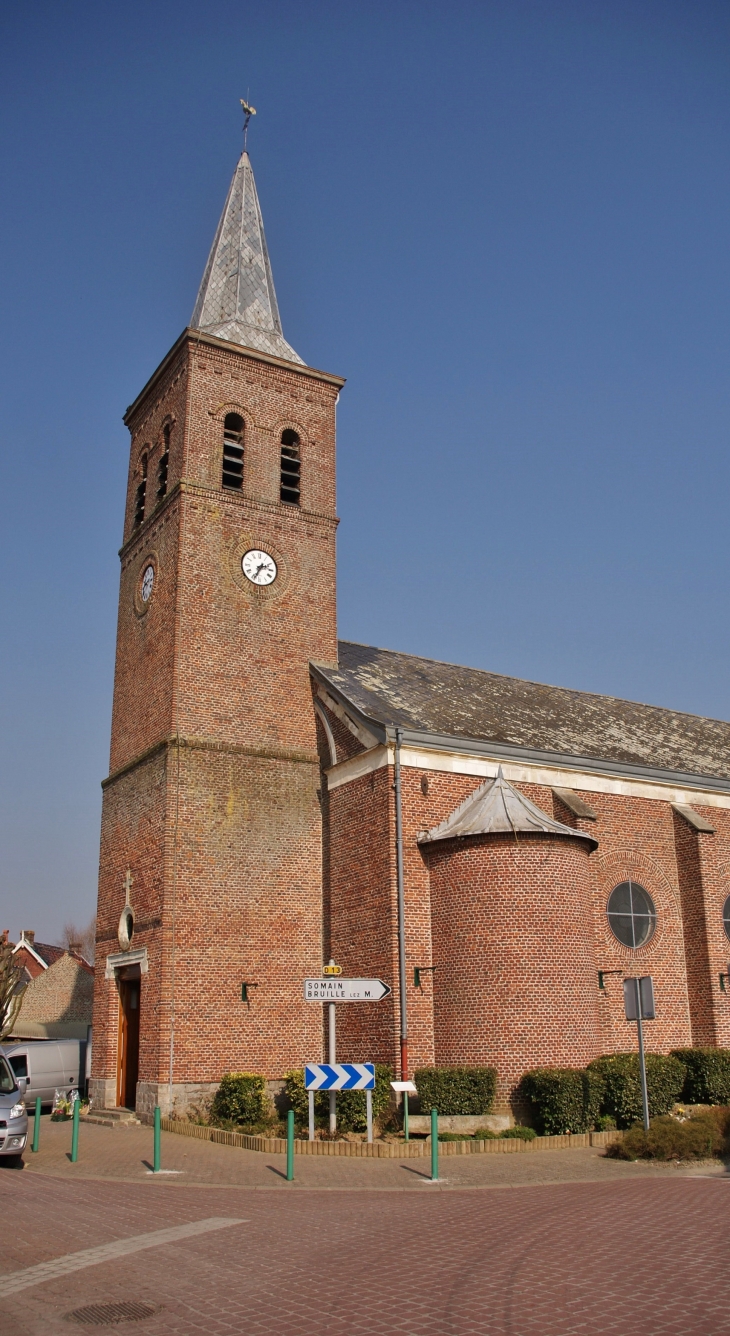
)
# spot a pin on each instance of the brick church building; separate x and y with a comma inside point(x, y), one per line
point(277, 798)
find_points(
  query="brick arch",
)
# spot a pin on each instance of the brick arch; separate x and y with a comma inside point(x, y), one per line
point(630, 863)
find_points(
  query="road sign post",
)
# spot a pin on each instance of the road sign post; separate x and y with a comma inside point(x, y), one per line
point(333, 1060)
point(333, 989)
point(639, 1006)
point(405, 1088)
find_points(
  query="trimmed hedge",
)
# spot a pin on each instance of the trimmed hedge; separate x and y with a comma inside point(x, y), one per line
point(708, 1074)
point(563, 1099)
point(665, 1078)
point(351, 1104)
point(456, 1090)
point(241, 1099)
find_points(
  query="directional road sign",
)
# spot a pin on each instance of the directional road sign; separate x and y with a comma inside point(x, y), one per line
point(345, 990)
point(339, 1076)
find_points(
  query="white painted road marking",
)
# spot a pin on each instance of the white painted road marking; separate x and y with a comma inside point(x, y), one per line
point(12, 1282)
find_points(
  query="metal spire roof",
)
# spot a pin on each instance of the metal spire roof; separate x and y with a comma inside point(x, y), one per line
point(237, 300)
point(498, 808)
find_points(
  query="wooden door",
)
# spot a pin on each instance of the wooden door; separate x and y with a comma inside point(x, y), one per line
point(128, 1048)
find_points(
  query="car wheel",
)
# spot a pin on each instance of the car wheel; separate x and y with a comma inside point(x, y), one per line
point(14, 1161)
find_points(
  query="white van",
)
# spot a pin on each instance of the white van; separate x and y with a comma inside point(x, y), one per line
point(49, 1065)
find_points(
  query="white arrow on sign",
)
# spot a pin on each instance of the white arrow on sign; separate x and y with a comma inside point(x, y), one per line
point(345, 990)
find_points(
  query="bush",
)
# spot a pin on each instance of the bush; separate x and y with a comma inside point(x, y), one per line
point(518, 1133)
point(665, 1077)
point(708, 1074)
point(241, 1100)
point(456, 1090)
point(485, 1134)
point(351, 1104)
point(563, 1099)
point(698, 1138)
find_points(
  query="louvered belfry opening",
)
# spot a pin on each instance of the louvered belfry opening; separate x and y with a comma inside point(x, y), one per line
point(233, 452)
point(163, 466)
point(141, 496)
point(290, 467)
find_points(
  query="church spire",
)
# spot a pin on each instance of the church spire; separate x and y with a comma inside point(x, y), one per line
point(237, 300)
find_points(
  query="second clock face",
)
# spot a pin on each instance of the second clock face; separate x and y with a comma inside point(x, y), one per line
point(258, 567)
point(148, 580)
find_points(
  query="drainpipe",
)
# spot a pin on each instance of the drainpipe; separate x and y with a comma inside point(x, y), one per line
point(401, 912)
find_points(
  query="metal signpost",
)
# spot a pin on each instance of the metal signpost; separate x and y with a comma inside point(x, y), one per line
point(639, 1006)
point(405, 1088)
point(334, 989)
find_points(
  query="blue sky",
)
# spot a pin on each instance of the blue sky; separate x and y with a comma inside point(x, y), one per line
point(505, 223)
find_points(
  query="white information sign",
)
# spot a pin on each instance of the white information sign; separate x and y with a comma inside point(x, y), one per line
point(345, 990)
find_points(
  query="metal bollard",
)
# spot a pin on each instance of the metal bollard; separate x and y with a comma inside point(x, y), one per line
point(157, 1148)
point(75, 1132)
point(37, 1125)
point(434, 1145)
point(290, 1146)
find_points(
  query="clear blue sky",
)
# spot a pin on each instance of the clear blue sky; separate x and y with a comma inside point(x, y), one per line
point(506, 224)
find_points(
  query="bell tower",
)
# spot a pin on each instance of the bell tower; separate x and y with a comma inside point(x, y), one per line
point(211, 805)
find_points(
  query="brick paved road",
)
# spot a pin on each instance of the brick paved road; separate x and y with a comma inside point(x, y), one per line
point(639, 1255)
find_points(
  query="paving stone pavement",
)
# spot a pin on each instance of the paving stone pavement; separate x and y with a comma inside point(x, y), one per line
point(602, 1248)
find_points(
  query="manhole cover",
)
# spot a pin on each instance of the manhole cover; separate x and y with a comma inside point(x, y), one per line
point(107, 1315)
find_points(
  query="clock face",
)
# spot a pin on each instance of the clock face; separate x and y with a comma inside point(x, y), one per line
point(148, 579)
point(258, 567)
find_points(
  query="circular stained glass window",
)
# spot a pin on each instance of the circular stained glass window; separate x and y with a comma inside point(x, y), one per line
point(726, 917)
point(631, 914)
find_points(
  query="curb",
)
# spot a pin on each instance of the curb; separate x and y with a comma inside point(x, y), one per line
point(388, 1150)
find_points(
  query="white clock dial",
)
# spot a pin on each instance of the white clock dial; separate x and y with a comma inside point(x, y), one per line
point(258, 567)
point(148, 579)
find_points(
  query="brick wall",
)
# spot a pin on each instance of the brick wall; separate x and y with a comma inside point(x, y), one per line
point(61, 994)
point(213, 799)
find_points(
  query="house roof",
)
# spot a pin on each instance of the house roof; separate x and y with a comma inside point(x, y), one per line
point(433, 701)
point(497, 808)
point(44, 953)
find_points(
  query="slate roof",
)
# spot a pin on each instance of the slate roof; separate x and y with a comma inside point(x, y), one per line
point(423, 696)
point(497, 808)
point(237, 300)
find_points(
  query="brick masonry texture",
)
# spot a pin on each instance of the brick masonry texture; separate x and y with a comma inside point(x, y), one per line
point(248, 867)
point(213, 800)
point(61, 994)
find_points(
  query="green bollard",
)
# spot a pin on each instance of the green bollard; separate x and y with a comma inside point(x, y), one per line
point(156, 1155)
point(75, 1133)
point(290, 1146)
point(405, 1115)
point(434, 1145)
point(37, 1125)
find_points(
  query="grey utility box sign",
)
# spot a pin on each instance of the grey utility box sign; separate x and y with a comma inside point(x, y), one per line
point(639, 999)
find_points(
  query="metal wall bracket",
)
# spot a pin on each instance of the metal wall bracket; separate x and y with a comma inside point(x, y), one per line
point(244, 991)
point(602, 975)
point(419, 970)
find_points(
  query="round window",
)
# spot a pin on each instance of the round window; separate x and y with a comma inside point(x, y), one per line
point(631, 914)
point(726, 917)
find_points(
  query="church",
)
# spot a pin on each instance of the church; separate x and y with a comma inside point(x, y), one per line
point(500, 853)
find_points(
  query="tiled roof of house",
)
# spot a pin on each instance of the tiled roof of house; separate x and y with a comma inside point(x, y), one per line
point(389, 689)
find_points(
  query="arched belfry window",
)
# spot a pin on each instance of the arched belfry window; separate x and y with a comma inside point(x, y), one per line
point(290, 467)
point(141, 494)
point(233, 452)
point(163, 466)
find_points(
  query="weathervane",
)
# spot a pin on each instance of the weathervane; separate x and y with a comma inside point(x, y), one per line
point(248, 112)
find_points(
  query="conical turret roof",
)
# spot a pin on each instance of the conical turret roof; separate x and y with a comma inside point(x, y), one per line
point(237, 300)
point(499, 808)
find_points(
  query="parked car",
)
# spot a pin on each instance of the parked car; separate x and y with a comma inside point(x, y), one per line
point(48, 1065)
point(13, 1117)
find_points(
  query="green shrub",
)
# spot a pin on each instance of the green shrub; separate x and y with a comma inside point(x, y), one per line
point(351, 1104)
point(619, 1072)
point(518, 1133)
point(456, 1090)
point(485, 1134)
point(708, 1074)
point(563, 1099)
point(241, 1100)
point(698, 1138)
point(605, 1123)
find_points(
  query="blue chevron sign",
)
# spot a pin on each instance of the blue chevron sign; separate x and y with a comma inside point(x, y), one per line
point(339, 1076)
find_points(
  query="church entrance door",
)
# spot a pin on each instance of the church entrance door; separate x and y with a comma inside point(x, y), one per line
point(128, 1048)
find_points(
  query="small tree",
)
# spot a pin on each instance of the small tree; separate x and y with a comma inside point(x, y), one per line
point(11, 988)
